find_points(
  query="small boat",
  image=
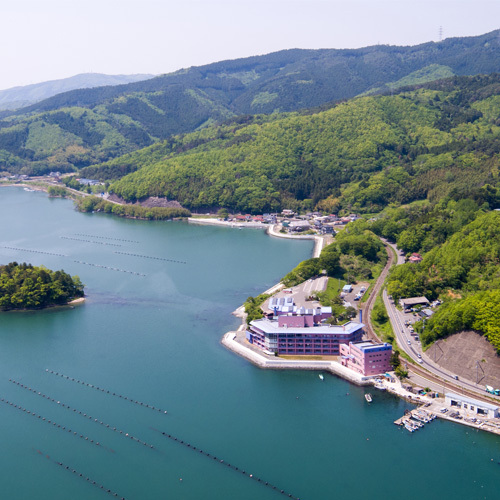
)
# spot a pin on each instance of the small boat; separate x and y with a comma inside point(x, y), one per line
point(380, 386)
point(321, 376)
point(368, 397)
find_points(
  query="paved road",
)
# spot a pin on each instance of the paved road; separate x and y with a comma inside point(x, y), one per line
point(426, 367)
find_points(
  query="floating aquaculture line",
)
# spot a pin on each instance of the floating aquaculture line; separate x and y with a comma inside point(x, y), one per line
point(51, 422)
point(80, 475)
point(227, 464)
point(106, 238)
point(150, 257)
point(90, 241)
point(83, 414)
point(109, 268)
point(101, 389)
point(35, 251)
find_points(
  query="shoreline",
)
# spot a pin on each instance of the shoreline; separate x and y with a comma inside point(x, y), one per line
point(235, 341)
point(71, 304)
point(74, 302)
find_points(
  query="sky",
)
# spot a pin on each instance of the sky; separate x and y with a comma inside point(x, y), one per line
point(45, 40)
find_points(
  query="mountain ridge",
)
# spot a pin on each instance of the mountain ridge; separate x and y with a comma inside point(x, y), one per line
point(26, 95)
point(84, 127)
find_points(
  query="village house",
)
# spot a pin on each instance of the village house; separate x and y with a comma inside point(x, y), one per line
point(415, 258)
point(298, 226)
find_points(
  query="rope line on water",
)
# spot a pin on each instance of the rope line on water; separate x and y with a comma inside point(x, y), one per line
point(80, 475)
point(34, 251)
point(150, 257)
point(90, 241)
point(79, 412)
point(227, 464)
point(55, 424)
point(101, 389)
point(106, 238)
point(109, 268)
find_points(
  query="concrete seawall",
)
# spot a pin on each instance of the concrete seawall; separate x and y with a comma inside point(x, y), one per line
point(267, 362)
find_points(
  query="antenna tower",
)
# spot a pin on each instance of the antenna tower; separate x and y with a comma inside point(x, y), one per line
point(440, 33)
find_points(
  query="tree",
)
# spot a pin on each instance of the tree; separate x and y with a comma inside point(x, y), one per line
point(395, 362)
point(329, 259)
point(401, 373)
point(223, 213)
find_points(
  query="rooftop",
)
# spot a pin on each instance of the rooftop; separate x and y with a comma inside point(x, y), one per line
point(367, 345)
point(271, 326)
point(476, 402)
point(414, 301)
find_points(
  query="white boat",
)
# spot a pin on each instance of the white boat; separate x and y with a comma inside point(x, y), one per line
point(380, 386)
point(368, 397)
point(321, 376)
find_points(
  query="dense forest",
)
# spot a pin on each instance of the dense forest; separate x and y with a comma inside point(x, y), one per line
point(460, 243)
point(89, 126)
point(422, 144)
point(96, 204)
point(23, 286)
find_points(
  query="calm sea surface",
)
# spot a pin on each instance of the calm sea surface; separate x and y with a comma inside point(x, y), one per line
point(156, 339)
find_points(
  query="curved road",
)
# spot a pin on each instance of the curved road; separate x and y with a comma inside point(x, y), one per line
point(426, 367)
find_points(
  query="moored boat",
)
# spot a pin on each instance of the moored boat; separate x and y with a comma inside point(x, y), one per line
point(368, 397)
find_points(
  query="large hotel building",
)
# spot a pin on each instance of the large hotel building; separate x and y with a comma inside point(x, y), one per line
point(291, 330)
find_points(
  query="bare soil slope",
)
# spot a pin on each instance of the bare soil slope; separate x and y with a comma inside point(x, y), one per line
point(470, 356)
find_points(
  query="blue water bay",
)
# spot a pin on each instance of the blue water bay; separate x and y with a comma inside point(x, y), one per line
point(152, 335)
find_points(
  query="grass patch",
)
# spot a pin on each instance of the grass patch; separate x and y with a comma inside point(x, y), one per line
point(381, 323)
point(333, 289)
point(376, 272)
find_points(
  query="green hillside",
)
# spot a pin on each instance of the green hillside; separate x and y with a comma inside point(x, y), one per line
point(463, 271)
point(89, 126)
point(430, 73)
point(358, 156)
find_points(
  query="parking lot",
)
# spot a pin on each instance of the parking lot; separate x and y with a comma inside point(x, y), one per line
point(355, 296)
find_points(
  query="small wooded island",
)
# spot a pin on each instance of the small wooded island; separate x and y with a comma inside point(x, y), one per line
point(23, 286)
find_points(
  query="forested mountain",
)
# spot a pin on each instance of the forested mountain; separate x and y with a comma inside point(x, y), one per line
point(463, 271)
point(361, 155)
point(85, 127)
point(18, 97)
